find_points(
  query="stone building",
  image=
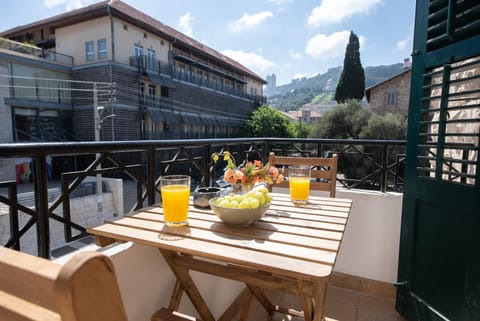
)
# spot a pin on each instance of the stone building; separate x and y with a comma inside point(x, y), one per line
point(391, 95)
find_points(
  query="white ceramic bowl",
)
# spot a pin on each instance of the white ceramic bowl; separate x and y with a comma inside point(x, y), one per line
point(238, 216)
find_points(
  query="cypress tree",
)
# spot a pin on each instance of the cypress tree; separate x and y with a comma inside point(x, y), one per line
point(352, 80)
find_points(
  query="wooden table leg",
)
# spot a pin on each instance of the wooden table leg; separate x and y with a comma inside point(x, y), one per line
point(183, 276)
point(306, 302)
point(176, 297)
point(319, 300)
point(242, 301)
point(262, 298)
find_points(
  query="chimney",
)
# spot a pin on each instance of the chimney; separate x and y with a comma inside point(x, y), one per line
point(406, 63)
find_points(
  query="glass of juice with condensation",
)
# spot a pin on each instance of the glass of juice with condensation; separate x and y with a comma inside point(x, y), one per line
point(175, 190)
point(299, 181)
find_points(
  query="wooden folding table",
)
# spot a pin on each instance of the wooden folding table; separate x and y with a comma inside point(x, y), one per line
point(293, 249)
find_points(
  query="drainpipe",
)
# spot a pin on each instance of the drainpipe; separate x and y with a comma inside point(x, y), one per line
point(112, 37)
point(111, 32)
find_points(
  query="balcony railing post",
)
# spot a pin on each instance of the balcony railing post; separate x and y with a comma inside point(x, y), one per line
point(41, 205)
point(206, 168)
point(151, 176)
point(13, 212)
point(384, 175)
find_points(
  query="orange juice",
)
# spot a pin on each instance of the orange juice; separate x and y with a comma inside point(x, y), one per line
point(299, 188)
point(175, 204)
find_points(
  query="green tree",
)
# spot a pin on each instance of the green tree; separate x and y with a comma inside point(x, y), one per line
point(303, 130)
point(390, 126)
point(352, 80)
point(343, 121)
point(268, 122)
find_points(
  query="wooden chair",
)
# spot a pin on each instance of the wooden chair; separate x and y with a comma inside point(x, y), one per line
point(83, 289)
point(324, 170)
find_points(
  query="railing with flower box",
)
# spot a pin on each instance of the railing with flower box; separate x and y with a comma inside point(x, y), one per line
point(144, 161)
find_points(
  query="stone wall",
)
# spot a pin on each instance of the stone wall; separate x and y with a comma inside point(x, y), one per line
point(463, 117)
point(400, 85)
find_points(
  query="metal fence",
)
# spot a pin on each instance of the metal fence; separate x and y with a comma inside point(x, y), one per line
point(369, 164)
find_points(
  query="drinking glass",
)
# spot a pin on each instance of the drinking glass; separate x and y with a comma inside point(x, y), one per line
point(175, 190)
point(299, 181)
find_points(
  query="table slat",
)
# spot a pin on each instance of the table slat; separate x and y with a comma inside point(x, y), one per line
point(292, 249)
point(277, 264)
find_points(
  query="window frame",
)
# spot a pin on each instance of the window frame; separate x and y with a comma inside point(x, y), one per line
point(150, 58)
point(102, 52)
point(138, 49)
point(89, 54)
point(391, 98)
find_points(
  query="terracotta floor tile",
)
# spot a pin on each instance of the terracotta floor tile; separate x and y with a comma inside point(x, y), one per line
point(340, 311)
point(376, 302)
point(341, 304)
point(374, 308)
point(342, 295)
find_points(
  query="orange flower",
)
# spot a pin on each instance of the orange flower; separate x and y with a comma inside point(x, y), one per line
point(250, 173)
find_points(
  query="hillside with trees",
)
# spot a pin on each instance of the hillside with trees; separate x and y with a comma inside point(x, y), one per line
point(321, 88)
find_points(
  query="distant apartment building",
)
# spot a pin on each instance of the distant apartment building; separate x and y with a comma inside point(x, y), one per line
point(271, 82)
point(393, 94)
point(153, 81)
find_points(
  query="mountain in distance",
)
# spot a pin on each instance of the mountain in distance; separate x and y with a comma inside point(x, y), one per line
point(321, 88)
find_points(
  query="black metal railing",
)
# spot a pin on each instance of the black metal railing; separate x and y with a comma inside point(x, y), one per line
point(378, 166)
point(30, 50)
point(149, 64)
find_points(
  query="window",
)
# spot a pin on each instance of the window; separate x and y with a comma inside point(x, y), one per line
point(181, 71)
point(89, 51)
point(164, 91)
point(151, 90)
point(138, 50)
point(102, 48)
point(150, 58)
point(391, 98)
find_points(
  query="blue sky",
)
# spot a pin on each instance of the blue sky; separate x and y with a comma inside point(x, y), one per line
point(291, 38)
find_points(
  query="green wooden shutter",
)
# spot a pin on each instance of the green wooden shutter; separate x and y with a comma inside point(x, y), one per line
point(439, 264)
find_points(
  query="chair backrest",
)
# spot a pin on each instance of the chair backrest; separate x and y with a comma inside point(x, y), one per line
point(83, 289)
point(324, 170)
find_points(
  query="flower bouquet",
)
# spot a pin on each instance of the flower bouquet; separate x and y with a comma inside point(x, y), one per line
point(249, 174)
point(250, 198)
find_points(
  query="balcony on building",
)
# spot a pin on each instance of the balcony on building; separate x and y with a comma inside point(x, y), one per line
point(366, 268)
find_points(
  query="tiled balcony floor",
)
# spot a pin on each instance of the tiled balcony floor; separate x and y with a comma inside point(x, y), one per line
point(349, 305)
point(346, 302)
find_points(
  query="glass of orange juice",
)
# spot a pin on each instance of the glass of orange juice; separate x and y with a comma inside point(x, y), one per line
point(175, 190)
point(299, 181)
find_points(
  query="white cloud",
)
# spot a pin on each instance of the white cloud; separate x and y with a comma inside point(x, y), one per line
point(295, 55)
point(402, 44)
point(280, 2)
point(322, 46)
point(252, 61)
point(69, 4)
point(184, 24)
point(250, 21)
point(333, 11)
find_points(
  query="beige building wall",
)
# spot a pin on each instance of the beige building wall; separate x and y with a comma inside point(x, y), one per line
point(127, 35)
point(71, 40)
point(254, 87)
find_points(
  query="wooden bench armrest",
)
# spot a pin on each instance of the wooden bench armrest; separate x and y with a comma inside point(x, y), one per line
point(35, 289)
